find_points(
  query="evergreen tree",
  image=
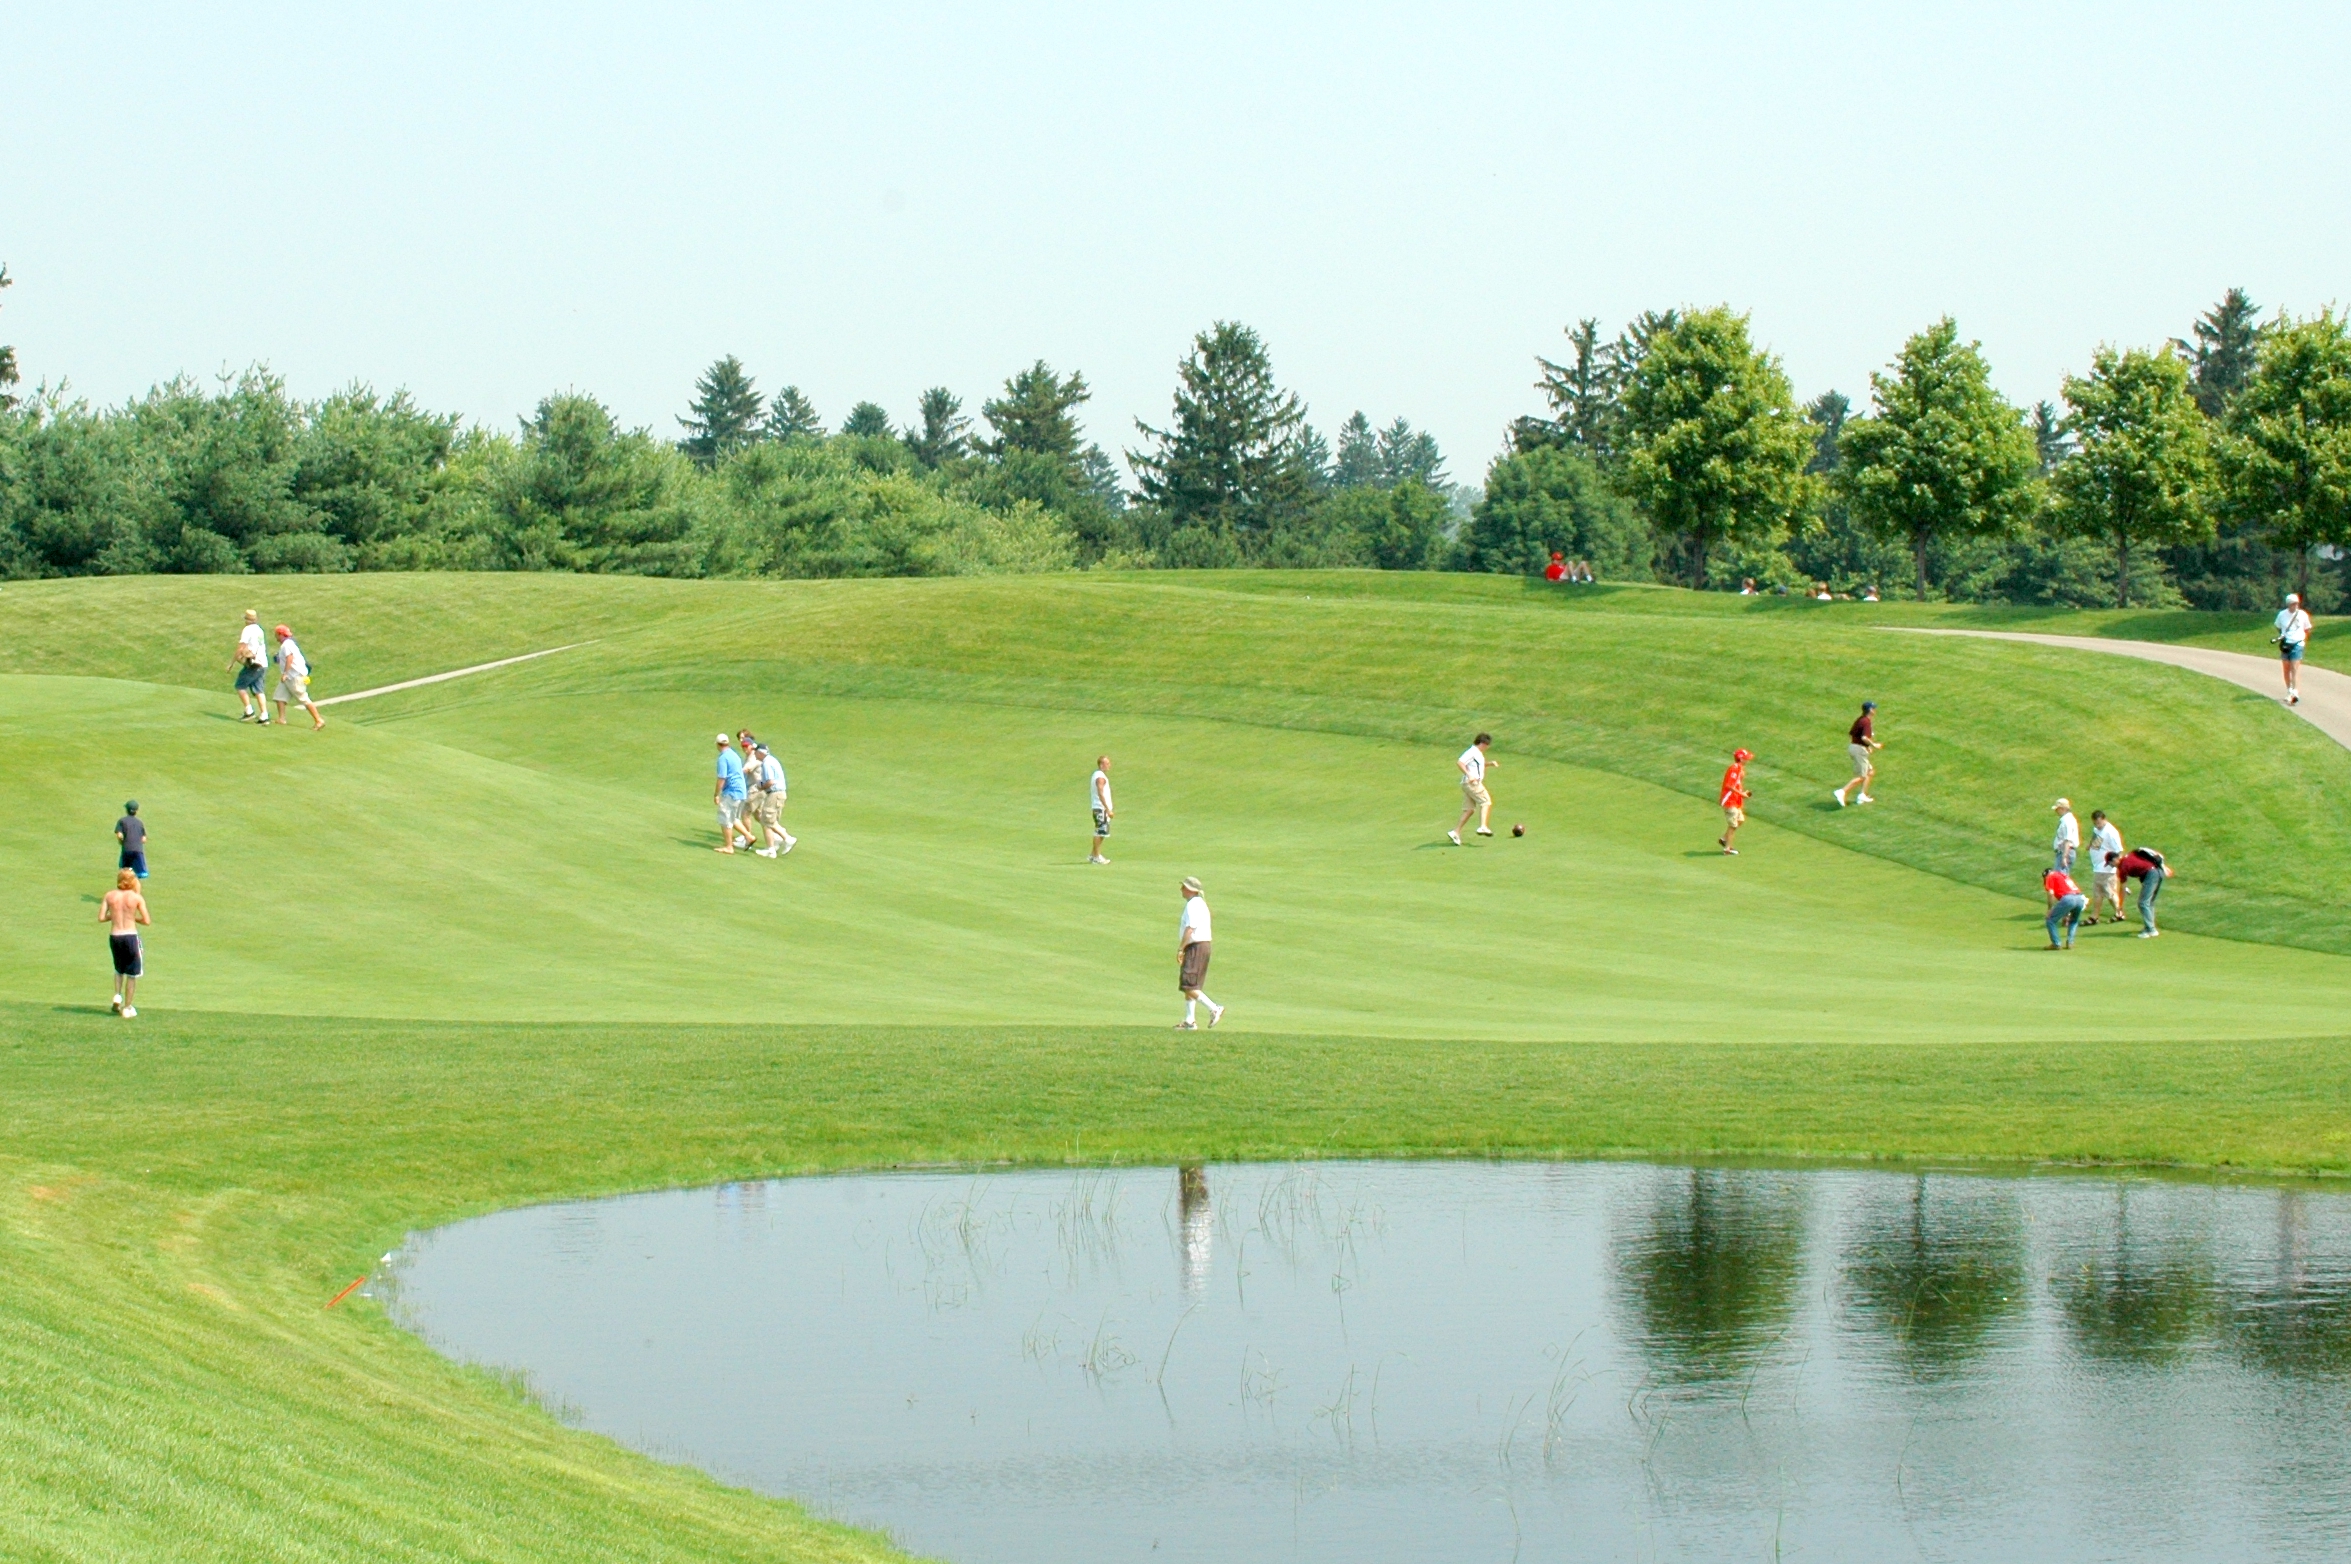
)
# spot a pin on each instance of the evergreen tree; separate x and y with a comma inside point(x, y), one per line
point(1827, 413)
point(791, 416)
point(1100, 476)
point(1409, 455)
point(2221, 358)
point(1314, 457)
point(1229, 464)
point(1038, 413)
point(1714, 448)
point(867, 421)
point(1943, 457)
point(725, 413)
point(945, 435)
point(7, 357)
point(1583, 391)
point(1357, 464)
point(2138, 476)
point(2285, 454)
point(2052, 440)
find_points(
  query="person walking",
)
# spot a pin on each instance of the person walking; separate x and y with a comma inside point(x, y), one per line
point(2105, 848)
point(1734, 802)
point(251, 662)
point(2293, 639)
point(771, 793)
point(1476, 800)
point(2066, 902)
point(294, 679)
point(1098, 796)
point(2145, 865)
point(1192, 945)
point(728, 793)
point(123, 910)
point(131, 833)
point(2066, 845)
point(1861, 741)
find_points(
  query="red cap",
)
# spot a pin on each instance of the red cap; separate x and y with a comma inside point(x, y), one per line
point(283, 633)
point(1742, 755)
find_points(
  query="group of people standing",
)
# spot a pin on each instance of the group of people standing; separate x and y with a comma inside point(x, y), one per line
point(2112, 867)
point(749, 793)
point(250, 662)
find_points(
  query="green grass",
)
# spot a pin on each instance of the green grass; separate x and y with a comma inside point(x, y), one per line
point(469, 948)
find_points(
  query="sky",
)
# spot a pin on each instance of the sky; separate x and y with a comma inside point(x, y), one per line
point(487, 203)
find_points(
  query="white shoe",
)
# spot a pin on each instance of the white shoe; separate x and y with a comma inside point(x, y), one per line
point(1839, 797)
point(1454, 837)
point(766, 852)
point(1215, 1016)
point(129, 1011)
point(1097, 858)
point(2148, 933)
point(1482, 831)
point(791, 842)
point(117, 1005)
point(1187, 1026)
point(1865, 799)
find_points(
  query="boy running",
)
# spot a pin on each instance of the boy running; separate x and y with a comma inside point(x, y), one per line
point(131, 832)
point(1734, 802)
point(2293, 638)
point(294, 679)
point(123, 909)
point(1475, 800)
point(1860, 740)
point(2066, 902)
point(1192, 942)
point(727, 793)
point(1098, 796)
point(251, 661)
point(770, 772)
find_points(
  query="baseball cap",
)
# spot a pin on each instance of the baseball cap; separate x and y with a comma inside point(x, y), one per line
point(723, 739)
point(2063, 803)
point(1742, 755)
point(1869, 705)
point(281, 632)
point(130, 806)
point(1191, 885)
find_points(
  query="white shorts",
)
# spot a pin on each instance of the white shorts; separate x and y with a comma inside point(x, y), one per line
point(730, 811)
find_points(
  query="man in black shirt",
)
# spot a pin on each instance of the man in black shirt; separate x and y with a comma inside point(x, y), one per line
point(131, 832)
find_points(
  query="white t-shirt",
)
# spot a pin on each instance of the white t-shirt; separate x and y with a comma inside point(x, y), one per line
point(2293, 625)
point(249, 646)
point(1098, 792)
point(771, 773)
point(2105, 847)
point(291, 660)
point(1473, 764)
point(1194, 930)
point(2069, 831)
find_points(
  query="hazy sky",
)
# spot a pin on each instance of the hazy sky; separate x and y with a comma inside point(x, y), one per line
point(484, 203)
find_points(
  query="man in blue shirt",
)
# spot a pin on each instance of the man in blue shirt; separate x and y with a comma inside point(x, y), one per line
point(728, 792)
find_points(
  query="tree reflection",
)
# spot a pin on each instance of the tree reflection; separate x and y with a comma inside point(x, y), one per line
point(2143, 1302)
point(2296, 1320)
point(1711, 1274)
point(1938, 1272)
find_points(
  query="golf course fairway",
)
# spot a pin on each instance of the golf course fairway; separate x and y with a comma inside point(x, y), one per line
point(469, 947)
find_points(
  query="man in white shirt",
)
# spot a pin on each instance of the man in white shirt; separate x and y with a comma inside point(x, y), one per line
point(2105, 853)
point(251, 662)
point(2293, 638)
point(1098, 796)
point(1192, 942)
point(1475, 800)
point(294, 679)
point(770, 806)
point(2068, 840)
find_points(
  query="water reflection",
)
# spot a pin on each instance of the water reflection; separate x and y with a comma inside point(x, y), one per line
point(1935, 1269)
point(1711, 1272)
point(2139, 1297)
point(1195, 1229)
point(2292, 1315)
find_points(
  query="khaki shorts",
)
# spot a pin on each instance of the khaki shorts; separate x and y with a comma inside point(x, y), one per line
point(1860, 754)
point(294, 689)
point(1475, 791)
point(730, 810)
point(1734, 814)
point(767, 807)
point(2107, 885)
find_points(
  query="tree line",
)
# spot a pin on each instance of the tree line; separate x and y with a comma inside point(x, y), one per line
point(2209, 469)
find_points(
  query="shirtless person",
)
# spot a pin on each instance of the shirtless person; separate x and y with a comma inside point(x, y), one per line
point(123, 910)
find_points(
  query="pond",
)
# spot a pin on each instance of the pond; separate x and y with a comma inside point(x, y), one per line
point(1457, 1361)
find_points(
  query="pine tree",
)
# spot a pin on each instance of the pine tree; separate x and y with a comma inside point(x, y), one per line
point(1409, 455)
point(1229, 464)
point(867, 421)
point(1827, 413)
point(2221, 358)
point(1037, 412)
point(945, 433)
point(1582, 392)
point(725, 413)
point(2052, 441)
point(1357, 465)
point(1314, 457)
point(791, 416)
point(1101, 478)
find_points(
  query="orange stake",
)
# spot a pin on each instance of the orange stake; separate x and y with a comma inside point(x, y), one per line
point(346, 1292)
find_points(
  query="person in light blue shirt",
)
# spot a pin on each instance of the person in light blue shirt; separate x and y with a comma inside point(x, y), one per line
point(728, 793)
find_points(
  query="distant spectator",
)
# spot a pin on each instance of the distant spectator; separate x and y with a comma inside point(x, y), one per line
point(1747, 586)
point(1821, 593)
point(1869, 594)
point(1556, 571)
point(1583, 571)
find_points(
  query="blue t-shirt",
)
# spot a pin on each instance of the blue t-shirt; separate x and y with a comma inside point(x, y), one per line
point(730, 774)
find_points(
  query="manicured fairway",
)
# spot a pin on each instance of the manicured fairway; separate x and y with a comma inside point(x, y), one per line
point(470, 947)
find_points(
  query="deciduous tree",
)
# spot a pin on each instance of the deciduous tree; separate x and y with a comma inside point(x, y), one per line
point(2138, 473)
point(2285, 452)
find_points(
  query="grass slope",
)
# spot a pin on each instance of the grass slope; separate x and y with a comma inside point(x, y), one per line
point(441, 958)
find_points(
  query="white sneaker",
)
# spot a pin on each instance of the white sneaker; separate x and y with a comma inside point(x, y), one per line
point(1482, 831)
point(1839, 797)
point(767, 852)
point(2149, 933)
point(1865, 799)
point(1454, 837)
point(1097, 858)
point(129, 1011)
point(117, 1005)
point(1215, 1016)
point(791, 842)
point(1187, 1026)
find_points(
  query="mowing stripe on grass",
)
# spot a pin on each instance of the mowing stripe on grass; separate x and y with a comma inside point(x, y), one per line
point(454, 673)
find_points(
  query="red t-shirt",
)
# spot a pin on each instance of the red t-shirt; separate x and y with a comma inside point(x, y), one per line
point(1555, 571)
point(2135, 865)
point(1734, 787)
point(2058, 883)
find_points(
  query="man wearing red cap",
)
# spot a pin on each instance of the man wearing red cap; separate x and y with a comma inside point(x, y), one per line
point(1734, 802)
point(294, 679)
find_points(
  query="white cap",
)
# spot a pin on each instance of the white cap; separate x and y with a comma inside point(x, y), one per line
point(723, 739)
point(2063, 803)
point(2292, 598)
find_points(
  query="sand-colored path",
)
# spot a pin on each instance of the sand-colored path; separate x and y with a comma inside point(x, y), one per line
point(2326, 696)
point(454, 673)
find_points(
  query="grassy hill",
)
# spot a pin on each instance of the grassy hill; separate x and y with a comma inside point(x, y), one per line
point(470, 947)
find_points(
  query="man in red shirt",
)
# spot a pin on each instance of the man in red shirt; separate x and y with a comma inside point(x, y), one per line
point(1734, 802)
point(2145, 865)
point(1557, 570)
point(1860, 740)
point(2067, 904)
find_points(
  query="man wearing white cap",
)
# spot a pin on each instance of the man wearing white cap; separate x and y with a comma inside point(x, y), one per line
point(2068, 840)
point(728, 793)
point(769, 773)
point(1192, 941)
point(2293, 638)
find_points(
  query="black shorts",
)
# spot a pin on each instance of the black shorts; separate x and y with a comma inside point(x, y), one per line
point(126, 954)
point(135, 860)
point(1195, 968)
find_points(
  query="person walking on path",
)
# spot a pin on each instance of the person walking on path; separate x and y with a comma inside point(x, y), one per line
point(294, 679)
point(1192, 943)
point(1476, 800)
point(2105, 848)
point(1861, 740)
point(771, 793)
point(728, 793)
point(131, 832)
point(123, 909)
point(2293, 639)
point(1734, 802)
point(2145, 865)
point(251, 662)
point(2066, 902)
point(1098, 796)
